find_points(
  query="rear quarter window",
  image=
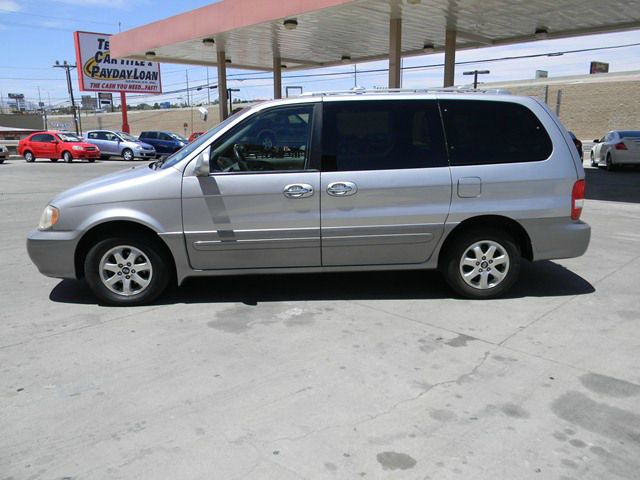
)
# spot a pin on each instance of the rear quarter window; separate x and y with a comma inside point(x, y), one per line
point(482, 132)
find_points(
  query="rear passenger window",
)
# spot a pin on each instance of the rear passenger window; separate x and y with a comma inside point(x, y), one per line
point(382, 135)
point(484, 132)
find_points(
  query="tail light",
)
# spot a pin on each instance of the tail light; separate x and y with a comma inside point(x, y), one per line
point(577, 199)
point(621, 146)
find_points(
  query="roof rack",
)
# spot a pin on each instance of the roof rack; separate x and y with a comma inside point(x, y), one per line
point(362, 91)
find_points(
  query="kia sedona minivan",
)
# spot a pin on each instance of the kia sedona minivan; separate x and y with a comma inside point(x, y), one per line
point(468, 183)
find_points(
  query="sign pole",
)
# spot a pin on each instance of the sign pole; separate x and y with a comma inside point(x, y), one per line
point(123, 106)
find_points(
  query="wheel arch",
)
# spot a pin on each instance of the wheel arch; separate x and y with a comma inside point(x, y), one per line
point(509, 225)
point(114, 227)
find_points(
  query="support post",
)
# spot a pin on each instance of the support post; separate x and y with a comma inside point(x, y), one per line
point(395, 52)
point(125, 118)
point(277, 77)
point(222, 85)
point(449, 58)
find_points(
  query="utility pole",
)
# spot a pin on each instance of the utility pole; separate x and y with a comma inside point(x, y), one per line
point(475, 74)
point(186, 72)
point(229, 90)
point(68, 68)
point(208, 88)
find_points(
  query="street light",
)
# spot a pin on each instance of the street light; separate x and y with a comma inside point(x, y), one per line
point(475, 74)
point(68, 68)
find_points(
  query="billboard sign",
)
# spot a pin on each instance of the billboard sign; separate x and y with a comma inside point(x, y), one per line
point(598, 67)
point(105, 98)
point(98, 71)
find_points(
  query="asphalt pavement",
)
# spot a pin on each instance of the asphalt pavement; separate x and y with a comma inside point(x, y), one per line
point(376, 376)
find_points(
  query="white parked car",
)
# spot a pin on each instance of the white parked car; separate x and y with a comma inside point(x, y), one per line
point(618, 147)
point(4, 153)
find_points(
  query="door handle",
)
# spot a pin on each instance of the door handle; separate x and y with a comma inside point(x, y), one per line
point(342, 189)
point(298, 190)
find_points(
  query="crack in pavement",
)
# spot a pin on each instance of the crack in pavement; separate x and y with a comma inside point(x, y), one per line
point(393, 407)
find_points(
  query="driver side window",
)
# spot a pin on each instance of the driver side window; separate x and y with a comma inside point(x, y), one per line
point(276, 139)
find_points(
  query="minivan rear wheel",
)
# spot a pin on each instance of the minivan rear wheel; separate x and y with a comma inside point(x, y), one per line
point(127, 271)
point(482, 264)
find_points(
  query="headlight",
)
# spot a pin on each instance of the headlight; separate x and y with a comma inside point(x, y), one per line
point(77, 147)
point(49, 218)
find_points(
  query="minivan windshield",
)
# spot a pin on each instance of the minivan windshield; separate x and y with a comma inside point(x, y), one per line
point(126, 137)
point(195, 145)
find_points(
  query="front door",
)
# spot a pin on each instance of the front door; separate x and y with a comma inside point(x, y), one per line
point(386, 185)
point(260, 206)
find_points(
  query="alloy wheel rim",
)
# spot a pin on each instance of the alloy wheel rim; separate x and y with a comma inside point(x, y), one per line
point(125, 270)
point(128, 155)
point(484, 265)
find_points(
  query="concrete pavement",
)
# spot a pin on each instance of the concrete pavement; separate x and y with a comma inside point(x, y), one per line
point(376, 375)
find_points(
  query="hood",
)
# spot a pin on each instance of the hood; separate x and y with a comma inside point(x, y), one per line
point(144, 145)
point(131, 184)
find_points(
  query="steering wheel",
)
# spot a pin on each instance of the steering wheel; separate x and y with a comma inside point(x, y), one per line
point(238, 155)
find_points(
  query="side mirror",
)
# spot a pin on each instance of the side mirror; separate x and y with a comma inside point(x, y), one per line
point(202, 164)
point(596, 140)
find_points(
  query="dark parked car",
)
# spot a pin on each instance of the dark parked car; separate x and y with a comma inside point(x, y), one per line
point(164, 142)
point(577, 143)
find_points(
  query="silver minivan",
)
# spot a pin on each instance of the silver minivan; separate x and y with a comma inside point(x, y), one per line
point(468, 183)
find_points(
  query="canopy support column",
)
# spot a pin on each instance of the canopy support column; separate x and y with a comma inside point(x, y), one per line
point(222, 85)
point(395, 52)
point(449, 58)
point(277, 77)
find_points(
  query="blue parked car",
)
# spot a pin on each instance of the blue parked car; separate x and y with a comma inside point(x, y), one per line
point(164, 142)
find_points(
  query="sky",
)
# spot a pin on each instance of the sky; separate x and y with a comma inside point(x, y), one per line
point(36, 33)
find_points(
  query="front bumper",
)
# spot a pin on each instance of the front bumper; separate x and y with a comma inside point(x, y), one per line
point(85, 155)
point(145, 154)
point(53, 252)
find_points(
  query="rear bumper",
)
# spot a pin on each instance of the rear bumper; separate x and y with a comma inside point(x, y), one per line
point(553, 238)
point(53, 252)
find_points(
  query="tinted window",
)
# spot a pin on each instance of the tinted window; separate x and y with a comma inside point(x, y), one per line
point(266, 141)
point(629, 133)
point(381, 135)
point(165, 137)
point(148, 135)
point(41, 137)
point(484, 132)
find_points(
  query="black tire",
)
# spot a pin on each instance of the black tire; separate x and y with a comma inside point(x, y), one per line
point(104, 157)
point(67, 157)
point(28, 156)
point(91, 160)
point(127, 154)
point(158, 279)
point(610, 166)
point(593, 160)
point(53, 160)
point(1, 161)
point(452, 267)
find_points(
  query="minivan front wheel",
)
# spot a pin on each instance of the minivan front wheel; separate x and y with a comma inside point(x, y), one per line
point(127, 154)
point(482, 264)
point(127, 271)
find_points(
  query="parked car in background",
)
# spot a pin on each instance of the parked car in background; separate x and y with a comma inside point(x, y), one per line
point(194, 135)
point(164, 142)
point(577, 143)
point(55, 146)
point(362, 182)
point(616, 148)
point(121, 144)
point(4, 153)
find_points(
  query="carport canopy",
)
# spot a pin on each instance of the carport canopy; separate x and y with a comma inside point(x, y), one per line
point(269, 35)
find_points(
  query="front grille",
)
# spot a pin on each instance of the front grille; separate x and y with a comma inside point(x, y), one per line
point(91, 149)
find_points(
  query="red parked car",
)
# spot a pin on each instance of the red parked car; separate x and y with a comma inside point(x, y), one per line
point(194, 135)
point(57, 145)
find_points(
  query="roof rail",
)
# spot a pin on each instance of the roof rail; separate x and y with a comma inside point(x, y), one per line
point(362, 91)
